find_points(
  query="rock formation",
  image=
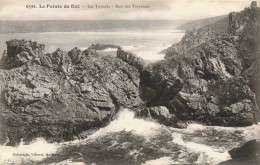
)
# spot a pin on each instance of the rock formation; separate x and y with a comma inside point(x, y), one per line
point(162, 115)
point(59, 95)
point(131, 59)
point(190, 39)
point(21, 51)
point(210, 78)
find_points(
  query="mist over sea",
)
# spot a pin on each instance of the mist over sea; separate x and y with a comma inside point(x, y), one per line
point(144, 44)
point(145, 38)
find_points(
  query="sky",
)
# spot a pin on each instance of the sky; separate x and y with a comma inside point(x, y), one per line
point(158, 9)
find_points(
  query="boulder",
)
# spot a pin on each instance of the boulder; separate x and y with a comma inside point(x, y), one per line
point(248, 153)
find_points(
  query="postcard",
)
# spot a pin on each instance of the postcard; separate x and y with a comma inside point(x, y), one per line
point(129, 82)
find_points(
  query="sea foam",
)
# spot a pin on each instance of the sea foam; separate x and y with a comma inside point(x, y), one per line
point(110, 50)
point(208, 155)
point(126, 121)
point(160, 161)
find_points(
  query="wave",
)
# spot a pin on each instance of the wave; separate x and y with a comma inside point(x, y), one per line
point(217, 140)
point(141, 51)
point(208, 155)
point(109, 49)
point(148, 53)
point(249, 132)
point(161, 161)
point(151, 56)
point(196, 144)
point(132, 47)
point(126, 121)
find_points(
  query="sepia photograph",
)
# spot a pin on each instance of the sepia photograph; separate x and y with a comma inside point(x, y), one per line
point(129, 82)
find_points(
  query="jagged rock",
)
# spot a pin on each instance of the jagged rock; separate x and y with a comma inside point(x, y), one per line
point(131, 59)
point(3, 60)
point(208, 81)
point(190, 39)
point(64, 94)
point(20, 52)
point(249, 49)
point(239, 20)
point(237, 103)
point(194, 86)
point(252, 76)
point(163, 116)
point(253, 4)
point(76, 55)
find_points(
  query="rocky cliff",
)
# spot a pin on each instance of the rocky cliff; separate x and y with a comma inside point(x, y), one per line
point(59, 95)
point(210, 78)
point(191, 39)
point(218, 24)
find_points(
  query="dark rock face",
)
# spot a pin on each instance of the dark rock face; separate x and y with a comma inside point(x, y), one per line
point(163, 116)
point(60, 95)
point(210, 79)
point(249, 49)
point(20, 52)
point(239, 20)
point(248, 153)
point(131, 59)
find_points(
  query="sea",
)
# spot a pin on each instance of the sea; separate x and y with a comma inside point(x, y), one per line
point(127, 140)
point(145, 42)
